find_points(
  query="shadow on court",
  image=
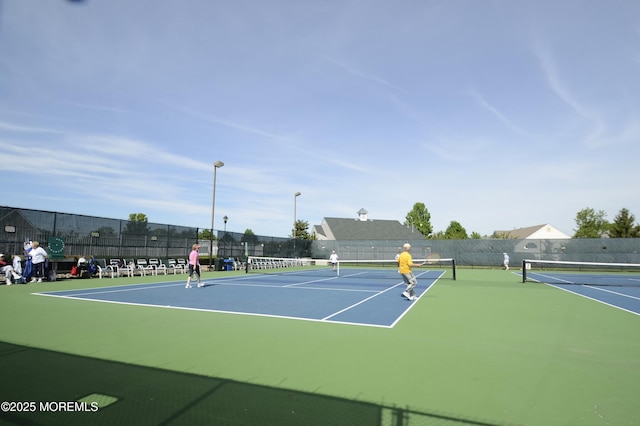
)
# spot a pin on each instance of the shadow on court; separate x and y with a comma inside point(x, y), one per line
point(53, 388)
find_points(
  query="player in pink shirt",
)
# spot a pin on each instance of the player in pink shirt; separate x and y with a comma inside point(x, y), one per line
point(194, 265)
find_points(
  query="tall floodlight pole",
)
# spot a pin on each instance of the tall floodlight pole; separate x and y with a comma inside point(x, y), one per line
point(225, 218)
point(216, 166)
point(295, 197)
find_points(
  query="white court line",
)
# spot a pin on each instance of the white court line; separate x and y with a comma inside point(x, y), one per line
point(615, 292)
point(378, 294)
point(84, 292)
point(312, 281)
point(345, 276)
point(420, 297)
point(184, 308)
point(595, 300)
point(589, 297)
point(293, 286)
point(232, 281)
point(551, 277)
point(144, 286)
point(151, 286)
point(356, 304)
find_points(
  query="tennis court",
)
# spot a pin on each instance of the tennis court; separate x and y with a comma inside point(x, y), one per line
point(615, 284)
point(359, 296)
point(485, 349)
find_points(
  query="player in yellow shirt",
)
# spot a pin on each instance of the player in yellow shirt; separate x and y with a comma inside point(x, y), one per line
point(405, 263)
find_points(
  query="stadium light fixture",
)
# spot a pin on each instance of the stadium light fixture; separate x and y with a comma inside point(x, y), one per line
point(225, 219)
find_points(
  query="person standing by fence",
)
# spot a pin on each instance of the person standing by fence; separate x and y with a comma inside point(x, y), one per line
point(38, 257)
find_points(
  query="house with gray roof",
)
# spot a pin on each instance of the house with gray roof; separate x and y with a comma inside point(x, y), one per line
point(363, 228)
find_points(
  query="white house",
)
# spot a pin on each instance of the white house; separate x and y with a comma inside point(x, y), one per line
point(538, 232)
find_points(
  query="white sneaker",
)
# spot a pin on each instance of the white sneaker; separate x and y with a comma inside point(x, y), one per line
point(406, 294)
point(39, 280)
point(414, 298)
point(187, 286)
point(8, 282)
point(33, 280)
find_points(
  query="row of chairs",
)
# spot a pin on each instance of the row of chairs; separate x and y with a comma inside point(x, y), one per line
point(143, 267)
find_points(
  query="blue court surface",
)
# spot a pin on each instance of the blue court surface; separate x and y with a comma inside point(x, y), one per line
point(354, 297)
point(621, 291)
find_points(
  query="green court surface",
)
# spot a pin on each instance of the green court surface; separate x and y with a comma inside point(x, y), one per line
point(483, 350)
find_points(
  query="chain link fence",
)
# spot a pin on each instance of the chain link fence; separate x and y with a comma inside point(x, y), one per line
point(115, 238)
point(488, 252)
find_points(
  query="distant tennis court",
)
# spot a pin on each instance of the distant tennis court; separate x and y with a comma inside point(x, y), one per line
point(615, 284)
point(359, 295)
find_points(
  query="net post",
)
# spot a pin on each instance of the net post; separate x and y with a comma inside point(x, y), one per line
point(247, 265)
point(338, 268)
point(524, 271)
point(453, 268)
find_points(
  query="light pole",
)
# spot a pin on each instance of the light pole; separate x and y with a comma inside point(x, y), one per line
point(216, 165)
point(295, 197)
point(225, 218)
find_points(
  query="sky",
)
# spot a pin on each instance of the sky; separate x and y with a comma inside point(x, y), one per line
point(495, 114)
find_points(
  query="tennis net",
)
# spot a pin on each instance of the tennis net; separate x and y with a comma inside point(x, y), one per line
point(580, 273)
point(390, 267)
point(276, 264)
point(383, 269)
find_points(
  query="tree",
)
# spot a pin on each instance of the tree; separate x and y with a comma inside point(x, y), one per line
point(455, 231)
point(591, 224)
point(249, 237)
point(205, 235)
point(623, 226)
point(439, 235)
point(476, 236)
point(301, 231)
point(420, 219)
point(137, 224)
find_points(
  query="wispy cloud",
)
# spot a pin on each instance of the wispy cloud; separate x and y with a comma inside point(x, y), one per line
point(356, 72)
point(465, 151)
point(111, 168)
point(595, 126)
point(349, 165)
point(289, 143)
point(99, 107)
point(494, 111)
point(25, 129)
point(293, 146)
